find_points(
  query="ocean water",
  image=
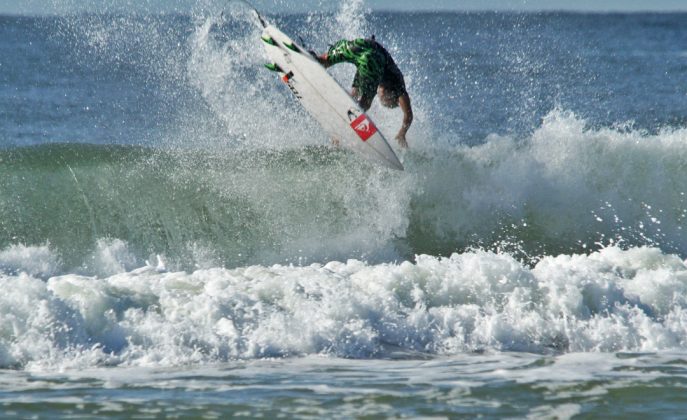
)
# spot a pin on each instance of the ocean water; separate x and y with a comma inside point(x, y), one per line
point(178, 238)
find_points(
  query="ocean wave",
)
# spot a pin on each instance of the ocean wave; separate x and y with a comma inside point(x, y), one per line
point(566, 189)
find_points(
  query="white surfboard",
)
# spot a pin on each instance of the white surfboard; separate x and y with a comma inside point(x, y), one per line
point(324, 98)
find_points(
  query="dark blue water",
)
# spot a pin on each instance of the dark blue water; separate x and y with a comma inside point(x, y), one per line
point(116, 79)
point(607, 69)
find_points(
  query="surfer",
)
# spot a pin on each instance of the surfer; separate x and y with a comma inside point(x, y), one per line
point(376, 73)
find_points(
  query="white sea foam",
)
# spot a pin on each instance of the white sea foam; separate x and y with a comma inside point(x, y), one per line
point(606, 301)
point(37, 261)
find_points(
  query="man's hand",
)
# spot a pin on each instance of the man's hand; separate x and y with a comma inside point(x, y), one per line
point(401, 138)
point(323, 60)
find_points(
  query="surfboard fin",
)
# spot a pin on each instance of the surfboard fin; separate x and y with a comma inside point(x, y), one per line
point(274, 67)
point(269, 40)
point(292, 47)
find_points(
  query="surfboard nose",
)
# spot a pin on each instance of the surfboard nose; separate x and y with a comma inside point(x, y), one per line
point(387, 155)
point(396, 164)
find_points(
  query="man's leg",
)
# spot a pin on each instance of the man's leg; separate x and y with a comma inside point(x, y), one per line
point(363, 91)
point(364, 99)
point(365, 102)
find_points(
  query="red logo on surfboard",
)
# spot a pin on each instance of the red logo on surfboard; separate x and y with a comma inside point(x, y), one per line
point(363, 127)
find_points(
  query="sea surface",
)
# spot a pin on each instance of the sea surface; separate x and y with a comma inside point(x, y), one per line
point(178, 238)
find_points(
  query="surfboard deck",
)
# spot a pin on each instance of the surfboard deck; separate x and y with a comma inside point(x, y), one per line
point(325, 99)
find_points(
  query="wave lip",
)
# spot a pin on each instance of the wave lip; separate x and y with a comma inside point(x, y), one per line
point(565, 188)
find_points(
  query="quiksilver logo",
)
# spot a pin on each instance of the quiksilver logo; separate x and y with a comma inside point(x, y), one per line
point(363, 127)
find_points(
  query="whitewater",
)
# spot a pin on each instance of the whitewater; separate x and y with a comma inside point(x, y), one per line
point(178, 238)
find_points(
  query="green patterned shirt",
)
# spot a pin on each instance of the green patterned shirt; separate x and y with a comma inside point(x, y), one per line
point(368, 56)
point(374, 65)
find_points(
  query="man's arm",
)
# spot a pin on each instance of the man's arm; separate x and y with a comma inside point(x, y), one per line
point(323, 59)
point(335, 55)
point(404, 104)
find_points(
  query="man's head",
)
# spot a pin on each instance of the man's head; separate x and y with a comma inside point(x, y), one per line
point(387, 97)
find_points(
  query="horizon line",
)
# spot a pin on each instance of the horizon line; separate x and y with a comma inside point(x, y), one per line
point(381, 10)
